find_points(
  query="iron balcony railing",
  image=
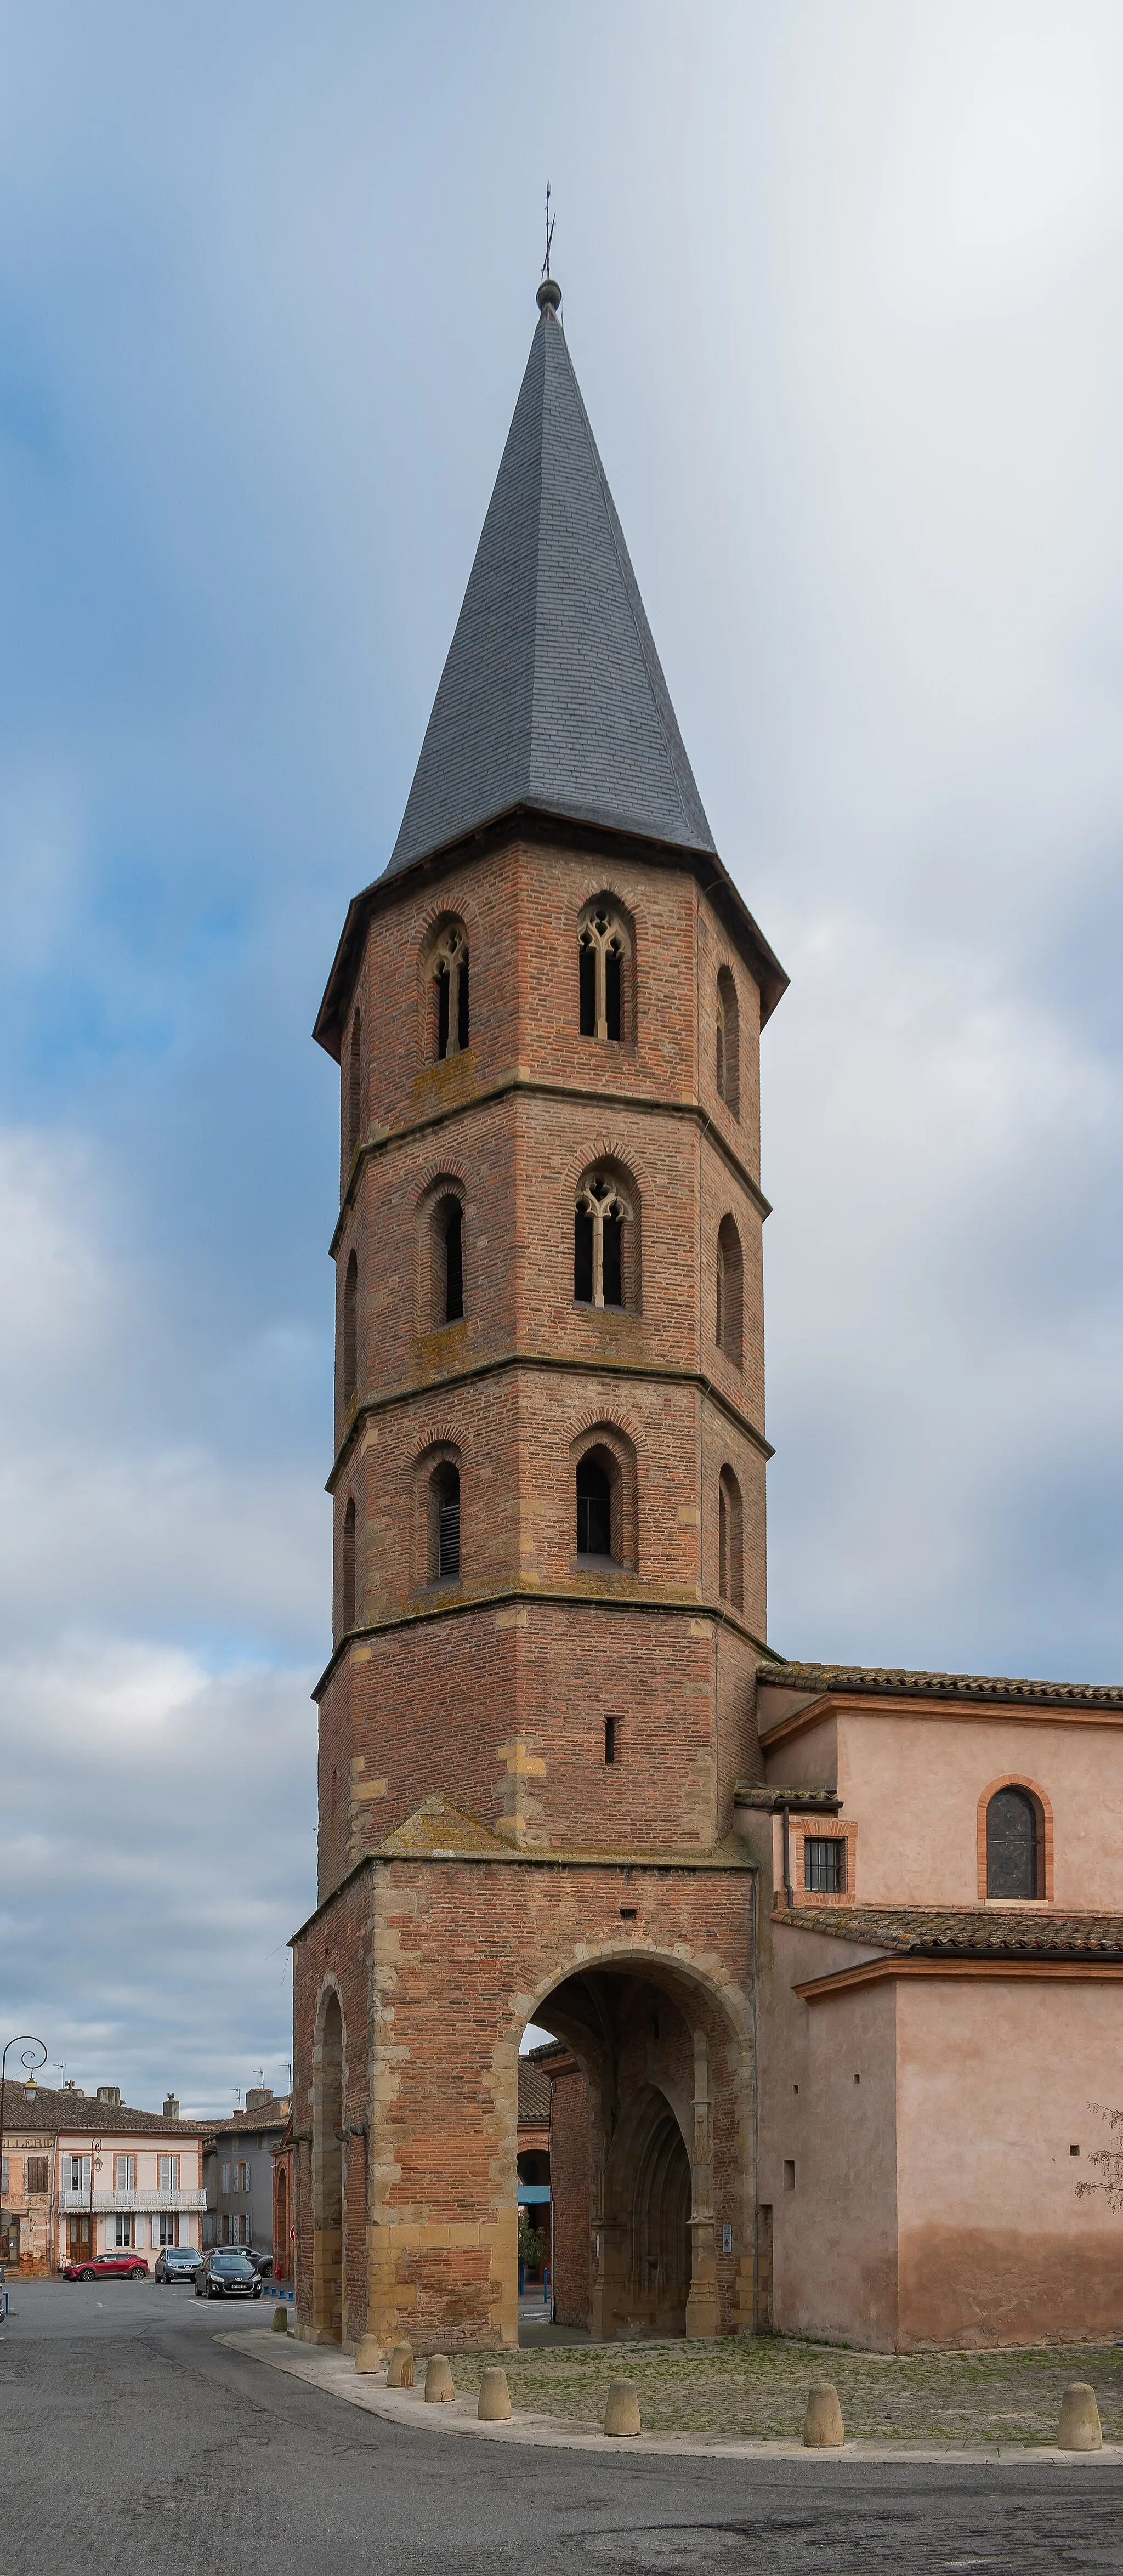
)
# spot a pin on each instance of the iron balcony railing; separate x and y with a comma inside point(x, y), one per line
point(107, 2202)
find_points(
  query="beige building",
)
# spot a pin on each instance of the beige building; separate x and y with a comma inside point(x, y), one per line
point(86, 2175)
point(939, 1989)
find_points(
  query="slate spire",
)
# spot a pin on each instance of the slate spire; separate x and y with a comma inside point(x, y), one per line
point(552, 695)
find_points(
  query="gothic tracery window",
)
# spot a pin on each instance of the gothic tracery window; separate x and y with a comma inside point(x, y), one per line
point(602, 948)
point(600, 1216)
point(450, 973)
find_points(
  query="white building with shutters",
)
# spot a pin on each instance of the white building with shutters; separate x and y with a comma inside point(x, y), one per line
point(86, 2175)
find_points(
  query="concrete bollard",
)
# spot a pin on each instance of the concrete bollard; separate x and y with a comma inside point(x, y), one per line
point(495, 2396)
point(279, 2321)
point(822, 2424)
point(1080, 2419)
point(438, 2380)
point(621, 2414)
point(400, 2372)
point(369, 2354)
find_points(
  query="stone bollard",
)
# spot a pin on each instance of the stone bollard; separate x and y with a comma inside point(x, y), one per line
point(369, 2354)
point(279, 2321)
point(438, 2380)
point(495, 2396)
point(400, 2372)
point(1080, 2419)
point(621, 2414)
point(822, 2424)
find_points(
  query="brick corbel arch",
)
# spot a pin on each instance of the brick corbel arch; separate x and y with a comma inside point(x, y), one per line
point(1044, 1812)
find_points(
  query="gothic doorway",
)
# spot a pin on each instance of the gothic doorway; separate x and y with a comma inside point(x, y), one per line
point(632, 2151)
point(327, 2175)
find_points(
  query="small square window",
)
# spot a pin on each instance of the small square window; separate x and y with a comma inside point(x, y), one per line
point(824, 1865)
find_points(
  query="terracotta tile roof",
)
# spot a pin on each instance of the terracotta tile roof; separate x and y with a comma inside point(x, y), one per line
point(867, 1680)
point(534, 2093)
point(55, 2111)
point(272, 2115)
point(971, 1932)
point(814, 1802)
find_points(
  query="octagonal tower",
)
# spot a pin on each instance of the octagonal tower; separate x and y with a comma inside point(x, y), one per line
point(549, 1467)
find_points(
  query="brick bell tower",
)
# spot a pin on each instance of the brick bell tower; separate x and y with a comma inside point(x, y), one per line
point(548, 1480)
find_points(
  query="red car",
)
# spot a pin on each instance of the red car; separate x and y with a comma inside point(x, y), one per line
point(103, 2266)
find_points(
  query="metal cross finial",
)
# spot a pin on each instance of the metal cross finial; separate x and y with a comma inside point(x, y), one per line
point(550, 222)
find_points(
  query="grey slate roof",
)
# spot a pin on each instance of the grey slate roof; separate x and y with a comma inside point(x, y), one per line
point(552, 695)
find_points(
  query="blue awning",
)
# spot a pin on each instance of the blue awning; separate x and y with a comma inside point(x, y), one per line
point(532, 2194)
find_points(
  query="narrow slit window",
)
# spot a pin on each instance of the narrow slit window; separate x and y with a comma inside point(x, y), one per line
point(349, 1566)
point(446, 1524)
point(594, 1509)
point(354, 1083)
point(610, 1739)
point(351, 1328)
point(454, 1262)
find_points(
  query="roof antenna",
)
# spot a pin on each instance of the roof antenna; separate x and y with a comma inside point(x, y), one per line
point(549, 292)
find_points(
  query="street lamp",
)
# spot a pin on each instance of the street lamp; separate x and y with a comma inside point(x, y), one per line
point(28, 2061)
point(95, 2167)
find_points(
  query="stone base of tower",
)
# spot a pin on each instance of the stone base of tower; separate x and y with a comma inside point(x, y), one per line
point(413, 1986)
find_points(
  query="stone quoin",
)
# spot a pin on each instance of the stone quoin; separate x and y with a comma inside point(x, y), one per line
point(562, 1777)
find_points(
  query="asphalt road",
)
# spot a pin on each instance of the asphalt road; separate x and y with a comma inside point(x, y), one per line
point(131, 2442)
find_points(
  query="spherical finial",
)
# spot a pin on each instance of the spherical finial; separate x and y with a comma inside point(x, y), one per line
point(549, 293)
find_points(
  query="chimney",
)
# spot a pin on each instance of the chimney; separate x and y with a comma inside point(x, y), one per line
point(171, 2107)
point(110, 2093)
point(259, 2097)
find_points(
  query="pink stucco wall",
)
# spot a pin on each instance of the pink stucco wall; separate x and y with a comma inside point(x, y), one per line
point(834, 2234)
point(912, 1782)
point(996, 2079)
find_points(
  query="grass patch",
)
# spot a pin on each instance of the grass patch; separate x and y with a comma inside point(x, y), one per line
point(757, 2387)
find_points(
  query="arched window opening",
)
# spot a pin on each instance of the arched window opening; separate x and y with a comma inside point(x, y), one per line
point(348, 1586)
point(351, 1328)
point(354, 1083)
point(600, 1216)
point(729, 1541)
point(1012, 1845)
point(594, 1505)
point(728, 1042)
point(451, 1223)
point(444, 1524)
point(602, 948)
point(450, 969)
point(728, 1323)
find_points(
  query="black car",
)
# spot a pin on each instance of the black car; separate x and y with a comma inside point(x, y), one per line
point(178, 2262)
point(227, 2273)
point(262, 2263)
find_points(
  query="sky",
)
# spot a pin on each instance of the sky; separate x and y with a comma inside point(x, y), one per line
point(843, 290)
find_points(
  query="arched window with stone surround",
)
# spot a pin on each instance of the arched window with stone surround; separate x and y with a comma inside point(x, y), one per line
point(449, 1021)
point(351, 1328)
point(728, 1042)
point(444, 1523)
point(604, 958)
point(1013, 1845)
point(605, 1265)
point(729, 1298)
point(730, 1558)
point(354, 1084)
point(603, 1502)
point(348, 1568)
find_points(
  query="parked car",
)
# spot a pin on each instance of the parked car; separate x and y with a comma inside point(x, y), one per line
point(103, 2267)
point(262, 2263)
point(227, 2273)
point(178, 2262)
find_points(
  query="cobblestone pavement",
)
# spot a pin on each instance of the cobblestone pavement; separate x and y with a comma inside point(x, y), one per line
point(131, 2441)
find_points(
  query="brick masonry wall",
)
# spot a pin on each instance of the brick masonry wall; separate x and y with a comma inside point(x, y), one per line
point(569, 2191)
point(438, 1967)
